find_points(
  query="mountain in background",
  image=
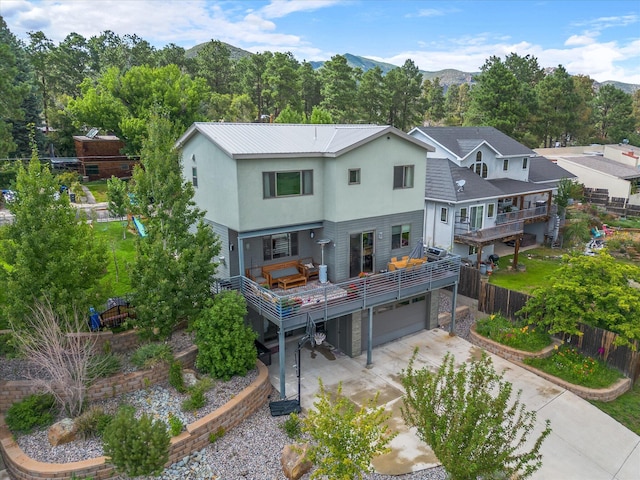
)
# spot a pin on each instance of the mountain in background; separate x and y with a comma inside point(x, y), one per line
point(448, 76)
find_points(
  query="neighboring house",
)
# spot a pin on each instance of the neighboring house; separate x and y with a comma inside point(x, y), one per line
point(483, 187)
point(610, 167)
point(99, 157)
point(349, 195)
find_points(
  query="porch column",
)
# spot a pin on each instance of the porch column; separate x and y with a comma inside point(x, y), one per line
point(515, 253)
point(370, 338)
point(281, 357)
point(454, 298)
point(479, 257)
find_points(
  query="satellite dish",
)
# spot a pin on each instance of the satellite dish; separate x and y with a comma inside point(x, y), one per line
point(460, 185)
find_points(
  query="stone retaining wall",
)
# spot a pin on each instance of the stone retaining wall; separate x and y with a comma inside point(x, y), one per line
point(196, 437)
point(517, 357)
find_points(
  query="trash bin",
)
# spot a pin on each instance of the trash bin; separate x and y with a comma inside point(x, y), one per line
point(72, 197)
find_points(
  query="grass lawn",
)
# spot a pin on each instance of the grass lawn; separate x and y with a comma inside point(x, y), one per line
point(625, 409)
point(99, 190)
point(540, 265)
point(120, 254)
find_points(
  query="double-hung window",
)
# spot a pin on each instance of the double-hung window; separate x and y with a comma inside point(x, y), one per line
point(287, 184)
point(403, 176)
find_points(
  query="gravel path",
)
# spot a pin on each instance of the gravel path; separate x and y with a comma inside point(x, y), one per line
point(249, 451)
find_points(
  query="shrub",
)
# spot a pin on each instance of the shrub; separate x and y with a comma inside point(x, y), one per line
point(92, 423)
point(515, 335)
point(149, 354)
point(7, 346)
point(104, 365)
point(176, 379)
point(225, 344)
point(136, 446)
point(197, 398)
point(33, 411)
point(292, 426)
point(175, 425)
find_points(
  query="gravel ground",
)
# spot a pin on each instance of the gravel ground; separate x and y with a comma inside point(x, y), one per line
point(249, 451)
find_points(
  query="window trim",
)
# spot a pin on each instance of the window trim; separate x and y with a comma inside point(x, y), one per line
point(505, 165)
point(525, 163)
point(445, 211)
point(407, 179)
point(355, 171)
point(194, 176)
point(491, 210)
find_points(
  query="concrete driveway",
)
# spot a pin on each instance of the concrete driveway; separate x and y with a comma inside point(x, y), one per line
point(585, 443)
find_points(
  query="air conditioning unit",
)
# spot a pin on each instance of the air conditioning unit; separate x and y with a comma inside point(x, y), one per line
point(435, 253)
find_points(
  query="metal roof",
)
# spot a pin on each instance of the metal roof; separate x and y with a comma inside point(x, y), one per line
point(268, 140)
point(460, 141)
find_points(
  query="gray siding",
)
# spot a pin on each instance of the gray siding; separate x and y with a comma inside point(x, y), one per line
point(222, 232)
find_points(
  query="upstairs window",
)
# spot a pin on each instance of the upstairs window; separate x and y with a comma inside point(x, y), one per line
point(444, 214)
point(354, 176)
point(400, 236)
point(505, 164)
point(194, 176)
point(287, 184)
point(480, 168)
point(525, 162)
point(403, 176)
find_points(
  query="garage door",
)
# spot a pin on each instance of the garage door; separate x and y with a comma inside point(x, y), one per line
point(396, 320)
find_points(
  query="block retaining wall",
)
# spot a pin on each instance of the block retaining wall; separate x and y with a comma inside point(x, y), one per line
point(517, 357)
point(196, 437)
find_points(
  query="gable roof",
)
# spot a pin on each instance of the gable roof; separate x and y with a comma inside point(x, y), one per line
point(442, 175)
point(268, 140)
point(461, 141)
point(604, 165)
point(542, 170)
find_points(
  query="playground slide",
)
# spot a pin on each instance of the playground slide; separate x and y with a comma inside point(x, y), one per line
point(140, 227)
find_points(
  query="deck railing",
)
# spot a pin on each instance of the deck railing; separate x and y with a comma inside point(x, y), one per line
point(526, 214)
point(293, 310)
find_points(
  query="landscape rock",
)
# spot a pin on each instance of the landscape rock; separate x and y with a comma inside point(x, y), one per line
point(61, 432)
point(294, 460)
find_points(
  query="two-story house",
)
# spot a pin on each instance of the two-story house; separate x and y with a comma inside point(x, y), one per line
point(484, 187)
point(348, 197)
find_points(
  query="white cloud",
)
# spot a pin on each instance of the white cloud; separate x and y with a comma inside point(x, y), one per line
point(578, 40)
point(430, 12)
point(282, 8)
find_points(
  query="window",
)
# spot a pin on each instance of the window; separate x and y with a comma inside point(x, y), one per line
point(490, 210)
point(286, 184)
point(194, 176)
point(124, 166)
point(280, 246)
point(444, 213)
point(464, 216)
point(400, 236)
point(473, 249)
point(403, 176)
point(354, 176)
point(505, 164)
point(525, 161)
point(92, 169)
point(480, 168)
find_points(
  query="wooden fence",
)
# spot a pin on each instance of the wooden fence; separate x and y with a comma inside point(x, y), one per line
point(595, 342)
point(469, 284)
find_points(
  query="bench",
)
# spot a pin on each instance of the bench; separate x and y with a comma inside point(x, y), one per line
point(274, 272)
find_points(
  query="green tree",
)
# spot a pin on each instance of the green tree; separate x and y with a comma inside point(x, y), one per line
point(346, 439)
point(242, 109)
point(433, 94)
point(528, 73)
point(612, 114)
point(584, 129)
point(309, 88)
point(70, 63)
point(249, 72)
point(456, 104)
point(495, 99)
point(46, 251)
point(586, 289)
point(372, 97)
point(213, 63)
point(40, 52)
point(339, 89)
point(557, 102)
point(404, 87)
point(289, 115)
point(225, 344)
point(467, 417)
point(118, 200)
point(319, 116)
point(281, 82)
point(173, 269)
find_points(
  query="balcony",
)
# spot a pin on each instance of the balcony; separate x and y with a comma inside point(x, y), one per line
point(538, 213)
point(291, 311)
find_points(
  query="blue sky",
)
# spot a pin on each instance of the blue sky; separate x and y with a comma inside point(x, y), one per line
point(599, 38)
